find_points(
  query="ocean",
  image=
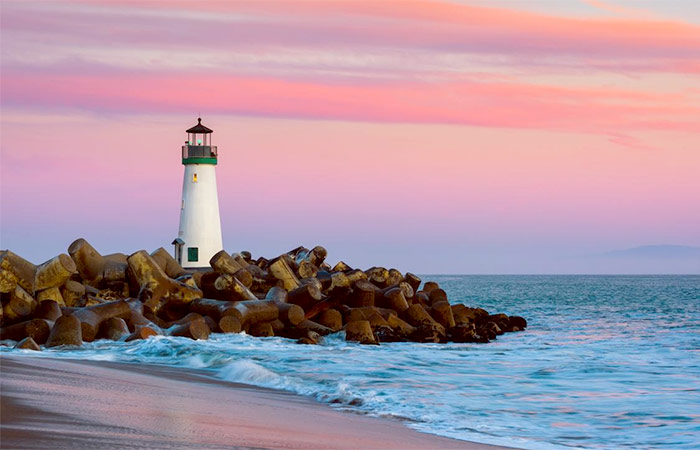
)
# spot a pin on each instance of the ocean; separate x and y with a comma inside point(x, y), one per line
point(607, 362)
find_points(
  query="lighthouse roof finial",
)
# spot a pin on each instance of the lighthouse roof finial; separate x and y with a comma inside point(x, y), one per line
point(199, 128)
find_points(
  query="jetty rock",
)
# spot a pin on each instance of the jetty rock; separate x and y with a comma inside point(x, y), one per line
point(82, 295)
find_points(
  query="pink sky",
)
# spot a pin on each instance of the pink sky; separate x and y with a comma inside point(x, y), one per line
point(438, 137)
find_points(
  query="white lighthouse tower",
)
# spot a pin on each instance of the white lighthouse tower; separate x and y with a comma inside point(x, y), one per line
point(199, 236)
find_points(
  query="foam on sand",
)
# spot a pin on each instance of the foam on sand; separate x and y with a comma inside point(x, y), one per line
point(49, 403)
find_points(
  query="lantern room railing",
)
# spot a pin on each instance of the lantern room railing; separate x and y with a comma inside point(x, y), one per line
point(199, 154)
point(199, 151)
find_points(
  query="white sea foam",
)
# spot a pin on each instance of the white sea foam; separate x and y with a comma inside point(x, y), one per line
point(246, 371)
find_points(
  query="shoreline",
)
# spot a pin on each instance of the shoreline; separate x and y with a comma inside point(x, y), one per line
point(56, 403)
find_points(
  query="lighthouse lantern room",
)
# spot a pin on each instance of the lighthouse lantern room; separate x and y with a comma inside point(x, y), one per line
point(199, 235)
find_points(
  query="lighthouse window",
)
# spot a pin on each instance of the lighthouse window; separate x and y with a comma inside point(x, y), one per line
point(192, 254)
point(194, 178)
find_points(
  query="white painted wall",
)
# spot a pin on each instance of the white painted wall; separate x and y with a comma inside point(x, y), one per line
point(200, 224)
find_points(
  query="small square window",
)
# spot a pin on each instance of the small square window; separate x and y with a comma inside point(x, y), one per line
point(192, 254)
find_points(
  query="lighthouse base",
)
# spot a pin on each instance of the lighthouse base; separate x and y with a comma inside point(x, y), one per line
point(200, 224)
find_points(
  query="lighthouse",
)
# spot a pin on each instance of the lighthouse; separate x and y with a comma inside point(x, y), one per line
point(199, 235)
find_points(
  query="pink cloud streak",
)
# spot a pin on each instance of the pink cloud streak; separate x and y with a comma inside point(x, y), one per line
point(435, 26)
point(458, 102)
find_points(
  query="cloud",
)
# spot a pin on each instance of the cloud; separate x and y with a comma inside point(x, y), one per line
point(411, 62)
point(491, 104)
point(524, 38)
point(621, 10)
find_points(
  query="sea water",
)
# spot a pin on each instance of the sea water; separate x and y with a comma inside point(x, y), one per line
point(606, 362)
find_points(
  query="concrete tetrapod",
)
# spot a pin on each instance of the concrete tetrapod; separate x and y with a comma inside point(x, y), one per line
point(262, 329)
point(378, 276)
point(331, 318)
point(307, 270)
point(193, 329)
point(54, 272)
point(188, 318)
point(224, 263)
point(305, 296)
point(247, 312)
point(144, 332)
point(430, 286)
point(47, 309)
point(437, 295)
point(307, 324)
point(94, 268)
point(156, 287)
point(400, 327)
point(413, 281)
point(73, 293)
point(66, 331)
point(114, 329)
point(245, 277)
point(280, 270)
point(290, 314)
point(362, 294)
point(91, 317)
point(256, 311)
point(442, 313)
point(136, 308)
point(277, 294)
point(395, 277)
point(341, 267)
point(233, 289)
point(216, 309)
point(52, 293)
point(37, 329)
point(28, 344)
point(277, 326)
point(393, 299)
point(165, 261)
point(229, 324)
point(426, 326)
point(407, 290)
point(15, 270)
point(206, 282)
point(19, 306)
point(360, 331)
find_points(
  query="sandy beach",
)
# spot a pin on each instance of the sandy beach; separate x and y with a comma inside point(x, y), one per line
point(49, 403)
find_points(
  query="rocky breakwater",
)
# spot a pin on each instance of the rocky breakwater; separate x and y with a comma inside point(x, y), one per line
point(83, 295)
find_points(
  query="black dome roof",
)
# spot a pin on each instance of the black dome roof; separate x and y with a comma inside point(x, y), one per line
point(199, 128)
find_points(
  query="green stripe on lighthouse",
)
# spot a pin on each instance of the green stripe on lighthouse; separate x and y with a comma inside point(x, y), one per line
point(199, 161)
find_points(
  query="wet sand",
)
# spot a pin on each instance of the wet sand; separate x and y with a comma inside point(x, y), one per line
point(51, 403)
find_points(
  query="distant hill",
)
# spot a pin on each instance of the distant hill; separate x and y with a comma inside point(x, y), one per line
point(646, 259)
point(657, 251)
